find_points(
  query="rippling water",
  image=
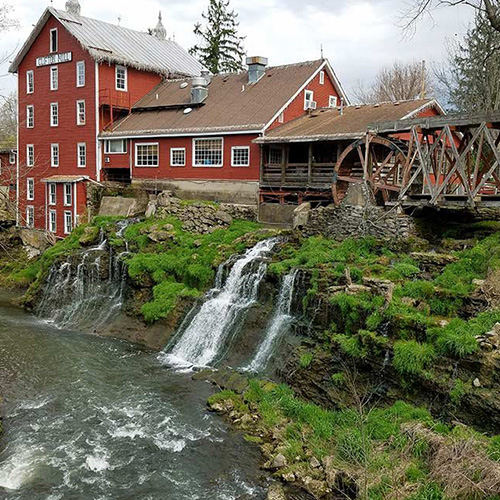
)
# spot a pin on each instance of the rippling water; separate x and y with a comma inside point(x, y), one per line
point(90, 418)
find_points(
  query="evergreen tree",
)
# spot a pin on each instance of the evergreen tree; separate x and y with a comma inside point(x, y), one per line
point(221, 48)
point(472, 80)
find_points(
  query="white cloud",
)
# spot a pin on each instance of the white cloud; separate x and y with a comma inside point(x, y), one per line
point(358, 36)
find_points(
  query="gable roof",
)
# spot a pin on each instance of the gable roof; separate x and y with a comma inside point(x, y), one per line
point(353, 123)
point(232, 103)
point(115, 44)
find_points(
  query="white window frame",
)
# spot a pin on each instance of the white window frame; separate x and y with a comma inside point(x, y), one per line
point(199, 139)
point(233, 150)
point(30, 155)
point(68, 227)
point(30, 81)
point(107, 143)
point(12, 158)
point(79, 156)
point(30, 189)
point(30, 216)
point(52, 189)
point(177, 150)
point(54, 38)
point(54, 147)
point(68, 194)
point(54, 122)
point(52, 221)
point(307, 99)
point(54, 82)
point(332, 101)
point(281, 117)
point(30, 113)
point(80, 73)
point(125, 79)
point(137, 144)
point(78, 118)
point(321, 77)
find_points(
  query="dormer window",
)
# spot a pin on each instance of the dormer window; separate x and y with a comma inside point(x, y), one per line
point(309, 102)
point(53, 40)
point(121, 78)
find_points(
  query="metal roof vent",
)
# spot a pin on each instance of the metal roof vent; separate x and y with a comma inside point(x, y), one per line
point(187, 111)
point(73, 7)
point(199, 89)
point(256, 68)
point(183, 85)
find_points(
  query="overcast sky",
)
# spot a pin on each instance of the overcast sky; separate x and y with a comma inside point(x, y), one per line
point(358, 36)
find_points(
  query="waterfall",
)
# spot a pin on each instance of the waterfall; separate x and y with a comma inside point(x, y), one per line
point(87, 290)
point(204, 338)
point(277, 327)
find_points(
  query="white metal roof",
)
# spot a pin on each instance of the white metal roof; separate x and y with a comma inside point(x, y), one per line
point(119, 45)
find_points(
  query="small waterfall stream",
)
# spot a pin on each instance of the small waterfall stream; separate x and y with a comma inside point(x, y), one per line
point(87, 290)
point(204, 338)
point(277, 327)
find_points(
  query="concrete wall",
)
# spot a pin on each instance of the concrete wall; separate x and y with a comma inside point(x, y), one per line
point(242, 192)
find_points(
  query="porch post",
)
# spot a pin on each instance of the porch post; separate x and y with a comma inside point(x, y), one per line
point(310, 164)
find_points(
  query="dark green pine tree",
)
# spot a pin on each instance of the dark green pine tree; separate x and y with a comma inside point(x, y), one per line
point(221, 48)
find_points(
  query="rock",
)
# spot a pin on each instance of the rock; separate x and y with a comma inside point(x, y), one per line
point(476, 382)
point(289, 477)
point(151, 209)
point(246, 420)
point(89, 237)
point(279, 461)
point(315, 463)
point(317, 488)
point(382, 287)
point(276, 492)
point(224, 217)
point(330, 471)
point(443, 322)
point(197, 243)
point(160, 235)
point(164, 199)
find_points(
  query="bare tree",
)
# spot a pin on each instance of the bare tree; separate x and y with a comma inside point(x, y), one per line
point(417, 9)
point(399, 82)
point(470, 79)
point(8, 119)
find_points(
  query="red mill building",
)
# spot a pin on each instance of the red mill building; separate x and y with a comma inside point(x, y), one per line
point(101, 102)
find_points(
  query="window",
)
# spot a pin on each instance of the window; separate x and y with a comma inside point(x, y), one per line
point(121, 78)
point(321, 77)
point(12, 158)
point(308, 99)
point(30, 82)
point(54, 155)
point(30, 216)
point(80, 112)
point(67, 195)
point(80, 74)
point(275, 155)
point(240, 156)
point(281, 117)
point(178, 157)
point(146, 155)
point(53, 40)
point(30, 116)
point(82, 154)
point(332, 101)
point(30, 189)
point(52, 194)
point(207, 152)
point(30, 155)
point(68, 222)
point(54, 114)
point(112, 146)
point(54, 78)
point(52, 221)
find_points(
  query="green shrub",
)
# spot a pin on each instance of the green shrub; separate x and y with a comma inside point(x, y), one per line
point(306, 360)
point(351, 447)
point(411, 358)
point(350, 345)
point(338, 379)
point(494, 448)
point(458, 391)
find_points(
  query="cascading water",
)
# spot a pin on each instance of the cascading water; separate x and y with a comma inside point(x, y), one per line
point(204, 338)
point(277, 327)
point(87, 290)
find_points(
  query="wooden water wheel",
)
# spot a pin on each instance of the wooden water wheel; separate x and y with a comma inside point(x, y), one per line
point(379, 161)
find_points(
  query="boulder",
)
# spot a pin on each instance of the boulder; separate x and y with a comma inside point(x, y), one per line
point(89, 237)
point(276, 492)
point(279, 461)
point(151, 209)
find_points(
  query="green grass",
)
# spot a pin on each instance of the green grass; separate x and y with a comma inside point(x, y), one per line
point(411, 357)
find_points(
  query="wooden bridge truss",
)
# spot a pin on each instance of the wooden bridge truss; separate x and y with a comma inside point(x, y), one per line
point(435, 161)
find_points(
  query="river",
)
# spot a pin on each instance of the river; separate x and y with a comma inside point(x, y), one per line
point(92, 418)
